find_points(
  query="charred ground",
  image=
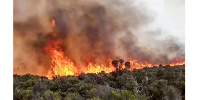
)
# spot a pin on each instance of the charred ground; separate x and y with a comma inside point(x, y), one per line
point(156, 83)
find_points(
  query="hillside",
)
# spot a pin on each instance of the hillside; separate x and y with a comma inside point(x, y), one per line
point(156, 83)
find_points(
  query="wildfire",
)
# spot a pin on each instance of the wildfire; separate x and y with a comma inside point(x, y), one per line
point(177, 61)
point(63, 66)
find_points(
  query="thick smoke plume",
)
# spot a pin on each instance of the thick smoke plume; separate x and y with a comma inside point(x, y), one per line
point(92, 30)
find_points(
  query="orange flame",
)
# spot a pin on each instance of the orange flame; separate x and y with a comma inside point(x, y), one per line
point(63, 66)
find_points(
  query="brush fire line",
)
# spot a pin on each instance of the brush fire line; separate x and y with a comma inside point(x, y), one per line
point(61, 65)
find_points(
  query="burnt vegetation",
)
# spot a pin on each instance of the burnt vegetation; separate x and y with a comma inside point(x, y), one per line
point(156, 83)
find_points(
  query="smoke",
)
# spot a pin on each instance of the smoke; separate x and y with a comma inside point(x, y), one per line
point(92, 30)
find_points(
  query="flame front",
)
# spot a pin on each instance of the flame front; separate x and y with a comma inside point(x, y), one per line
point(63, 66)
point(60, 64)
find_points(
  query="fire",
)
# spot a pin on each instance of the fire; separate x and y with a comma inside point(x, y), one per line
point(177, 61)
point(97, 68)
point(136, 65)
point(61, 65)
point(53, 23)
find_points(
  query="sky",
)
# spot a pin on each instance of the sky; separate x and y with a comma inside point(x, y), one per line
point(168, 16)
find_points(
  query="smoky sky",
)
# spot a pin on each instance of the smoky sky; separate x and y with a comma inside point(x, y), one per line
point(92, 30)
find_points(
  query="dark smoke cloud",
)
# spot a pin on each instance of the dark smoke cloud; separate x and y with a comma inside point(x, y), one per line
point(92, 30)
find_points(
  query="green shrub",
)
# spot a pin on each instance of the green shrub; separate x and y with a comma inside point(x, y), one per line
point(127, 95)
point(26, 94)
point(115, 96)
point(96, 98)
point(156, 83)
point(29, 83)
point(101, 91)
point(72, 89)
point(50, 95)
point(73, 80)
point(73, 96)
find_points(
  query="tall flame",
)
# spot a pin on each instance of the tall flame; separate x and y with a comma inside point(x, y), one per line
point(60, 64)
point(63, 66)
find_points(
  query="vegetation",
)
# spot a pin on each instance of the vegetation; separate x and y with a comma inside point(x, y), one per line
point(156, 83)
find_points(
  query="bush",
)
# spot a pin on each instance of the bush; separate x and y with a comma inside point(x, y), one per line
point(96, 98)
point(26, 94)
point(156, 83)
point(115, 96)
point(127, 95)
point(127, 64)
point(102, 91)
point(115, 64)
point(29, 83)
point(73, 96)
point(73, 80)
point(50, 95)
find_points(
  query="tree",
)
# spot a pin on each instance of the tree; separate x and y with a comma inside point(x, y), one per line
point(115, 64)
point(121, 63)
point(127, 64)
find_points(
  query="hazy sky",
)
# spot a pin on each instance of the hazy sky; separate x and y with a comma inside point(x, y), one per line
point(168, 16)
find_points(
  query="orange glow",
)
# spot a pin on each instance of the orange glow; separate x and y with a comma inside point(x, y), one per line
point(97, 68)
point(53, 23)
point(177, 61)
point(61, 65)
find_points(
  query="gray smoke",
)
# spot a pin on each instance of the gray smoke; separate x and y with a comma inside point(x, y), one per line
point(92, 30)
